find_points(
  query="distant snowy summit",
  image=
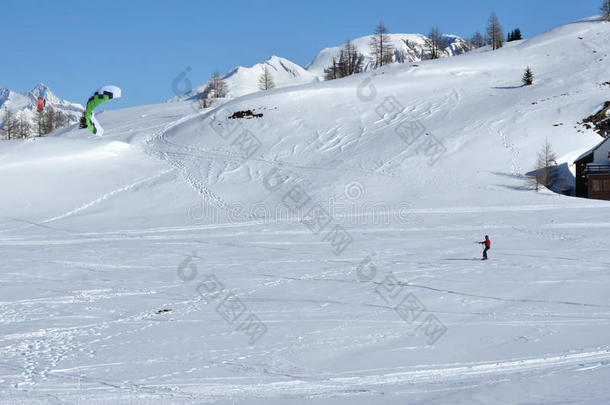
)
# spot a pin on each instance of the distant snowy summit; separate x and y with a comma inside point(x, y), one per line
point(243, 80)
point(25, 104)
point(408, 48)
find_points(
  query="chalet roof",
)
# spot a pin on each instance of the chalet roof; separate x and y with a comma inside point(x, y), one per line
point(587, 153)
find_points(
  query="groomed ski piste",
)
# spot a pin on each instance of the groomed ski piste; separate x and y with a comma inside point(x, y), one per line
point(169, 261)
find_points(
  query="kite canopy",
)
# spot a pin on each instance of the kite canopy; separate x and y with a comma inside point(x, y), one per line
point(41, 103)
point(102, 94)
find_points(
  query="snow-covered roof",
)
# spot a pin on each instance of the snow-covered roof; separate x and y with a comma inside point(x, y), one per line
point(587, 153)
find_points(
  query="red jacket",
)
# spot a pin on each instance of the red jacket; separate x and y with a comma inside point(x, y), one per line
point(487, 243)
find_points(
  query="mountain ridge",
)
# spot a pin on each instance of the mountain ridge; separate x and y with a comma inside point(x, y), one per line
point(25, 104)
point(408, 48)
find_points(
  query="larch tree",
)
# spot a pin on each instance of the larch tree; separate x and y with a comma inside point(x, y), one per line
point(23, 127)
point(436, 44)
point(477, 40)
point(495, 35)
point(333, 71)
point(265, 81)
point(545, 166)
point(49, 121)
point(204, 101)
point(40, 127)
point(218, 86)
point(9, 128)
point(350, 61)
point(381, 46)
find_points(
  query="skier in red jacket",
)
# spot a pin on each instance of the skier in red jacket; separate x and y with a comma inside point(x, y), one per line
point(487, 243)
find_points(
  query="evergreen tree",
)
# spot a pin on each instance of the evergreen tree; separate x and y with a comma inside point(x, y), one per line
point(514, 35)
point(606, 10)
point(381, 46)
point(528, 77)
point(495, 36)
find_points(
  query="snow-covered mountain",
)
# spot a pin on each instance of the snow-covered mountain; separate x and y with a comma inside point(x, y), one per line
point(407, 48)
point(169, 262)
point(25, 104)
point(245, 80)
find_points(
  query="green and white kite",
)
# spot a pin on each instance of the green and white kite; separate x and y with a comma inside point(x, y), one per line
point(102, 94)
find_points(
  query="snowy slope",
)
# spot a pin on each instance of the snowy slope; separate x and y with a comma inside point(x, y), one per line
point(407, 48)
point(26, 104)
point(243, 80)
point(175, 209)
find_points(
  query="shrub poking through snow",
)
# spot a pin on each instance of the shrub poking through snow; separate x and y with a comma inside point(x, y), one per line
point(245, 114)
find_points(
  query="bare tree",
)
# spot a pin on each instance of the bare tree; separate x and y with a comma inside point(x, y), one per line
point(436, 44)
point(477, 40)
point(9, 128)
point(350, 61)
point(218, 86)
point(61, 120)
point(545, 166)
point(495, 35)
point(381, 46)
point(265, 81)
point(606, 10)
point(204, 101)
point(40, 127)
point(332, 72)
point(49, 120)
point(23, 127)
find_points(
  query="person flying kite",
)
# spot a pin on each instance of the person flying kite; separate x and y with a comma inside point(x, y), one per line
point(487, 243)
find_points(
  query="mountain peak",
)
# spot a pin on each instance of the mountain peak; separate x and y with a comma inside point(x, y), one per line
point(41, 90)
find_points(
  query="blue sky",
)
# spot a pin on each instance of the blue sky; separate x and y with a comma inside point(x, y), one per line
point(76, 46)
